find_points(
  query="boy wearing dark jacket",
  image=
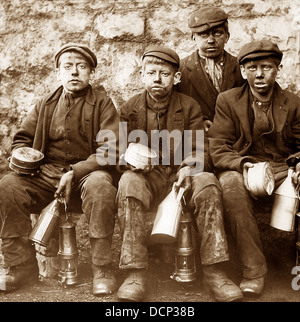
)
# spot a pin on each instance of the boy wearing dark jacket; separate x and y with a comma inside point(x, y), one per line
point(160, 108)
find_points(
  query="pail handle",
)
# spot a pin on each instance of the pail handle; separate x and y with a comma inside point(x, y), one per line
point(298, 190)
point(179, 194)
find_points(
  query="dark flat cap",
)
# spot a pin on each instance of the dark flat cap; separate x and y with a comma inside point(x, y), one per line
point(206, 18)
point(80, 48)
point(259, 49)
point(162, 52)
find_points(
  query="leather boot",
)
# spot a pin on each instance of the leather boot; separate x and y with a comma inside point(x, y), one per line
point(253, 286)
point(104, 281)
point(134, 286)
point(15, 276)
point(223, 289)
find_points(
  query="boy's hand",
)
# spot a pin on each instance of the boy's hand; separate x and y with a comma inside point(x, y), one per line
point(246, 166)
point(207, 124)
point(65, 186)
point(184, 178)
point(296, 176)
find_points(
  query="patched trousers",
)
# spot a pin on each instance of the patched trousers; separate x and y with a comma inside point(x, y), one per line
point(21, 196)
point(137, 193)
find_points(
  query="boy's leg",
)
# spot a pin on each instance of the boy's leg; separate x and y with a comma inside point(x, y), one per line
point(136, 194)
point(98, 204)
point(239, 213)
point(207, 202)
point(19, 197)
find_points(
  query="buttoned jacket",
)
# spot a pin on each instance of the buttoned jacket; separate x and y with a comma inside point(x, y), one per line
point(230, 136)
point(196, 83)
point(183, 114)
point(99, 113)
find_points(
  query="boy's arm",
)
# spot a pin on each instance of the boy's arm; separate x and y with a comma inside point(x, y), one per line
point(222, 138)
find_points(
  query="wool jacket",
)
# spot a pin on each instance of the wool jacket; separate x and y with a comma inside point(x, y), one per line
point(230, 136)
point(183, 113)
point(196, 83)
point(98, 113)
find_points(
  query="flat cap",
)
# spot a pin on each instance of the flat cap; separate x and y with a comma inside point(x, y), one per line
point(206, 18)
point(162, 52)
point(80, 48)
point(259, 49)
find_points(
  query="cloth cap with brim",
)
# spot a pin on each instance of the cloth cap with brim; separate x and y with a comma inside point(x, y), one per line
point(206, 19)
point(162, 52)
point(80, 48)
point(259, 49)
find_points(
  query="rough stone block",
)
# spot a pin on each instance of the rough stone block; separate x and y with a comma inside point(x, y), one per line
point(117, 25)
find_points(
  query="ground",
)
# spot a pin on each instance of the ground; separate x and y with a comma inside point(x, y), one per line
point(281, 285)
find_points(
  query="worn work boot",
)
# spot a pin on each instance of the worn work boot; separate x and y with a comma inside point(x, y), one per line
point(15, 276)
point(223, 289)
point(134, 286)
point(104, 281)
point(253, 286)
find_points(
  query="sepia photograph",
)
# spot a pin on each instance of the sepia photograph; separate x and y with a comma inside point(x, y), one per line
point(149, 153)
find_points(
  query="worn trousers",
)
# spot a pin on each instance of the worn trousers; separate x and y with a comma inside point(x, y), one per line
point(137, 193)
point(238, 212)
point(22, 195)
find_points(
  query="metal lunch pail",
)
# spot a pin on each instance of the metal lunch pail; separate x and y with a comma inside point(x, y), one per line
point(167, 219)
point(285, 205)
point(261, 179)
point(26, 161)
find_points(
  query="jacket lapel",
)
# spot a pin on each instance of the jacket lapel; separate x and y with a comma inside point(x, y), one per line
point(241, 108)
point(229, 72)
point(200, 81)
point(280, 110)
point(138, 114)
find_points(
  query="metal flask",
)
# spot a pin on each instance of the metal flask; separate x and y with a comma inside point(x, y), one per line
point(68, 253)
point(167, 219)
point(185, 262)
point(286, 204)
point(47, 222)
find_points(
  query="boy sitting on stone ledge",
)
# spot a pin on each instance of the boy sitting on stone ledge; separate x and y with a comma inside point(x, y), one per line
point(159, 108)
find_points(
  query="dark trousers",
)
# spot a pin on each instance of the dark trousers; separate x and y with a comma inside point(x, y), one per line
point(21, 196)
point(138, 192)
point(238, 212)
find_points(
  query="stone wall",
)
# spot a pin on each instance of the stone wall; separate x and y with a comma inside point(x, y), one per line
point(118, 31)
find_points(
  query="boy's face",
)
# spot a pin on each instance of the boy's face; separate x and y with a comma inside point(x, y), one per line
point(261, 75)
point(211, 43)
point(74, 71)
point(159, 79)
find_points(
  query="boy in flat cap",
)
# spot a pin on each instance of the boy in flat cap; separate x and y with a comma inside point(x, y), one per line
point(160, 109)
point(210, 69)
point(258, 122)
point(64, 126)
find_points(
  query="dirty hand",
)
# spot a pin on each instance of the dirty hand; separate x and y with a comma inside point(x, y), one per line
point(296, 175)
point(246, 167)
point(147, 169)
point(207, 124)
point(65, 186)
point(184, 178)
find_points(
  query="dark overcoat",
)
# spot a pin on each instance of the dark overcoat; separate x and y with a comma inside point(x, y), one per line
point(196, 83)
point(230, 136)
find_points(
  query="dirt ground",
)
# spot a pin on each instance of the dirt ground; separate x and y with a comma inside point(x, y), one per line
point(281, 284)
point(161, 288)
